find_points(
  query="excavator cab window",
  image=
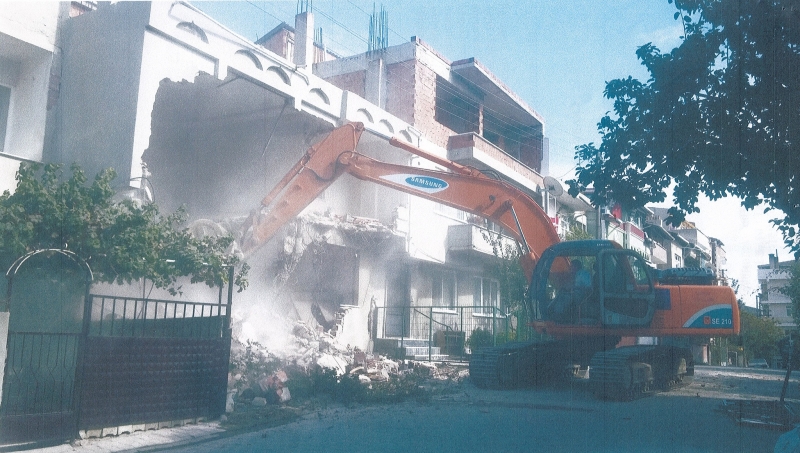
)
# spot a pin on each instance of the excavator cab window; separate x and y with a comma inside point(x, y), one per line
point(570, 294)
point(626, 293)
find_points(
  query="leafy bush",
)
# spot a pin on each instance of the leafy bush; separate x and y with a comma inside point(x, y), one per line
point(480, 338)
point(122, 241)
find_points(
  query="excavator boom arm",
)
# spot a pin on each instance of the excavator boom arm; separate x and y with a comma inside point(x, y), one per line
point(494, 200)
point(462, 188)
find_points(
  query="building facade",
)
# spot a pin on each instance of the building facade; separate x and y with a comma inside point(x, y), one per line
point(208, 120)
point(29, 70)
point(774, 304)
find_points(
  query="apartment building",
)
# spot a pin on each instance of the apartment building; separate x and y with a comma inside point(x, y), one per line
point(28, 82)
point(209, 120)
point(775, 304)
point(469, 116)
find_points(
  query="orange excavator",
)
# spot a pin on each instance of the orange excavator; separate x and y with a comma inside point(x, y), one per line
point(584, 295)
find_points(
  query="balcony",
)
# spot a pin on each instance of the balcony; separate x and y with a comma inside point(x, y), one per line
point(473, 150)
point(469, 238)
point(773, 274)
point(658, 254)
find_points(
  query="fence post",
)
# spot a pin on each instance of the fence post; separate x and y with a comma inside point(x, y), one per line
point(227, 333)
point(463, 349)
point(494, 321)
point(430, 330)
point(402, 332)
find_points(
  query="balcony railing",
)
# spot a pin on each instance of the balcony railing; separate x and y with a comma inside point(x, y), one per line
point(472, 149)
point(474, 238)
point(658, 254)
point(444, 333)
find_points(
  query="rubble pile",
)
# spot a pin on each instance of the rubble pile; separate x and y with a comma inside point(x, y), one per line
point(260, 377)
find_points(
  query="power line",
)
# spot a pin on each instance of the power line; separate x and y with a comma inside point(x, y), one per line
point(502, 119)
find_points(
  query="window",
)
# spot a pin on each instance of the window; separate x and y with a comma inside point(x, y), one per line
point(453, 110)
point(443, 291)
point(485, 295)
point(764, 292)
point(789, 311)
point(447, 211)
point(5, 103)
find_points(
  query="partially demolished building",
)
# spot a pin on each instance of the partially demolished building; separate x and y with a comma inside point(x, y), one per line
point(203, 118)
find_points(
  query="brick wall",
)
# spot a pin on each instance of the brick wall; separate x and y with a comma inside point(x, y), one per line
point(277, 43)
point(353, 82)
point(425, 107)
point(530, 153)
point(400, 89)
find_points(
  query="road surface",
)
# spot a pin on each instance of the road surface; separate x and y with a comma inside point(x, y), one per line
point(564, 418)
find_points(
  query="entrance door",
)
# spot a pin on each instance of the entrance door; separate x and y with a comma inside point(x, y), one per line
point(48, 290)
point(397, 303)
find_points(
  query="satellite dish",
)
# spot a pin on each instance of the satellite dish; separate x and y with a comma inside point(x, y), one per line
point(552, 186)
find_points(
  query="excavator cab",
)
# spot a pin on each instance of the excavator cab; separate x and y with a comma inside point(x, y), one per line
point(592, 283)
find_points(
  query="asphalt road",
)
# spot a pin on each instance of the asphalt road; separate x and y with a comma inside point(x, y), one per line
point(565, 418)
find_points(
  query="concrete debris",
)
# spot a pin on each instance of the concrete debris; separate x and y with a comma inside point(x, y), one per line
point(284, 395)
point(336, 363)
point(230, 404)
point(327, 228)
point(315, 348)
point(273, 387)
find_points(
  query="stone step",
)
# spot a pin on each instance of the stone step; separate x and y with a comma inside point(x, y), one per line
point(433, 357)
point(413, 343)
point(421, 350)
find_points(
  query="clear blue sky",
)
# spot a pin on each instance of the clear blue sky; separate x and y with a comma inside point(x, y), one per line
point(556, 55)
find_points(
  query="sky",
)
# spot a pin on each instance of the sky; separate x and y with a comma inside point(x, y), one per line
point(557, 55)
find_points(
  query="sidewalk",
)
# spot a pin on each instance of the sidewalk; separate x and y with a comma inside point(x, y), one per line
point(143, 441)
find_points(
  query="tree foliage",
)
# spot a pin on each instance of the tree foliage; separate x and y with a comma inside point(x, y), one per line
point(122, 241)
point(719, 115)
point(792, 291)
point(759, 336)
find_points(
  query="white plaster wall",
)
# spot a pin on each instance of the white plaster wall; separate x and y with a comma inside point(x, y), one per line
point(8, 170)
point(161, 59)
point(34, 23)
point(27, 43)
point(28, 107)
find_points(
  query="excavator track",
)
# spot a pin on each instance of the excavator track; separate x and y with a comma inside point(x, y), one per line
point(631, 372)
point(522, 364)
point(502, 366)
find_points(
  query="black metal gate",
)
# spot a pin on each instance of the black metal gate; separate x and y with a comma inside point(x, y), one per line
point(150, 361)
point(77, 361)
point(46, 295)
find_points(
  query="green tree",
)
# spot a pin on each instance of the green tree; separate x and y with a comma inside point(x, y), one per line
point(512, 280)
point(719, 115)
point(576, 233)
point(122, 241)
point(508, 271)
point(759, 336)
point(792, 291)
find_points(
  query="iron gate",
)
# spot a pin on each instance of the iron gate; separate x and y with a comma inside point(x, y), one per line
point(46, 294)
point(78, 361)
point(149, 361)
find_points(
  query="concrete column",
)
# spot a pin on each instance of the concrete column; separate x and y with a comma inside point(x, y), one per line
point(304, 39)
point(375, 83)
